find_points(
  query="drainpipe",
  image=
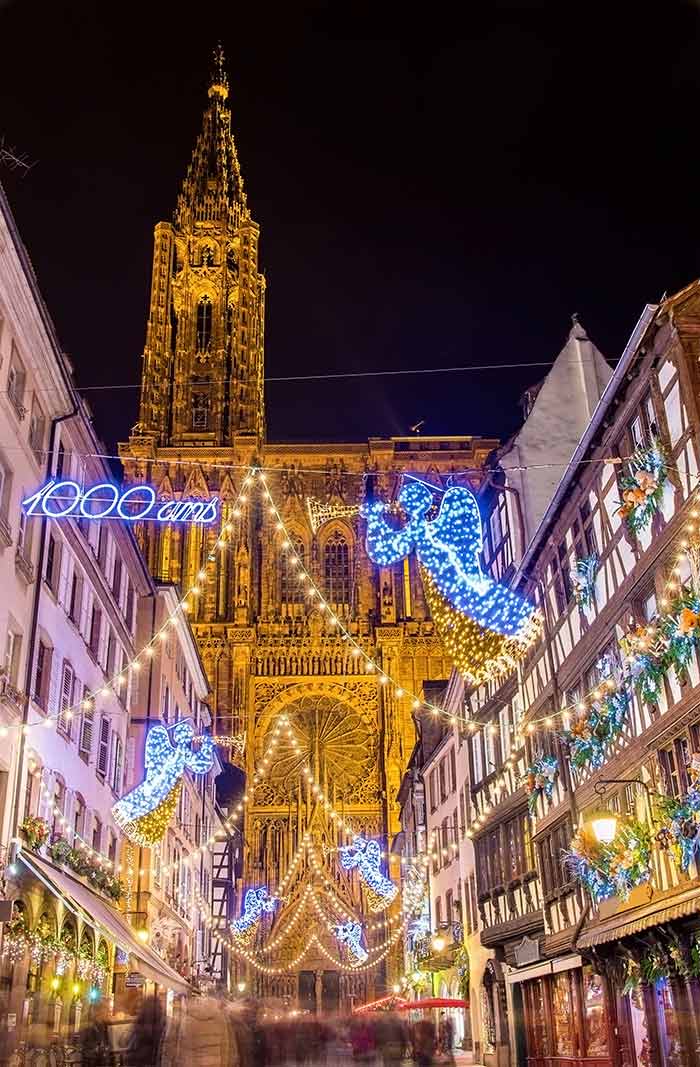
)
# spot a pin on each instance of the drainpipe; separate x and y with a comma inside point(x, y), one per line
point(29, 667)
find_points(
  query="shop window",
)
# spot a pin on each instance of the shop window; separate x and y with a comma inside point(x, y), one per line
point(595, 1018)
point(562, 1014)
point(536, 1018)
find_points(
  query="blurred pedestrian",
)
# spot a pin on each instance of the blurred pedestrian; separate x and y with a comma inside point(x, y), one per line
point(146, 1038)
point(392, 1039)
point(202, 1037)
point(446, 1033)
point(424, 1042)
point(362, 1039)
point(95, 1048)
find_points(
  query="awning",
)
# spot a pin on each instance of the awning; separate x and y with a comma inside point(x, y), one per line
point(626, 923)
point(97, 913)
point(433, 1002)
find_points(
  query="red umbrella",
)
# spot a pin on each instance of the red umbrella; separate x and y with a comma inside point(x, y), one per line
point(432, 1002)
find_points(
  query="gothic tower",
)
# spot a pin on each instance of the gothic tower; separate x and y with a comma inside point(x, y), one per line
point(203, 361)
point(316, 653)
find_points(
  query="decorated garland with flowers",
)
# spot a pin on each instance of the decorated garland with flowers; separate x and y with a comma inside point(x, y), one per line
point(643, 485)
point(612, 869)
point(583, 577)
point(63, 853)
point(539, 779)
point(680, 830)
point(36, 832)
point(590, 735)
point(668, 641)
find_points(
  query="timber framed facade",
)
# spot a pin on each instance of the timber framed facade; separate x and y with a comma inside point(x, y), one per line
point(575, 985)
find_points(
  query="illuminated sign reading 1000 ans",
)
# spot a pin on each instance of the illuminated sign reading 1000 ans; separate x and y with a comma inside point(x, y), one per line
point(58, 500)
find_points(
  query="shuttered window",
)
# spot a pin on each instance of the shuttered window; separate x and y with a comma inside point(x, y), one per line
point(95, 628)
point(103, 747)
point(65, 705)
point(117, 579)
point(86, 727)
point(116, 779)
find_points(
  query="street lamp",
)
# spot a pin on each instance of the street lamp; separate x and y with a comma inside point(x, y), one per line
point(241, 987)
point(439, 942)
point(396, 988)
point(605, 827)
point(604, 823)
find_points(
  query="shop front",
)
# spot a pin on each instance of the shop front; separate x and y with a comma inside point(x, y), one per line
point(64, 950)
point(562, 1016)
point(630, 998)
point(653, 975)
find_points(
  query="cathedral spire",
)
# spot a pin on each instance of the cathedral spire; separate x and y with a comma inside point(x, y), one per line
point(218, 85)
point(203, 359)
point(213, 187)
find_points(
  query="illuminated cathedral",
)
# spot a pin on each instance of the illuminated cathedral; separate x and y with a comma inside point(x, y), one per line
point(273, 649)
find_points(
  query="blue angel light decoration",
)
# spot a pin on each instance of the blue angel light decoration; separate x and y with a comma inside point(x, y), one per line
point(144, 813)
point(350, 934)
point(484, 626)
point(255, 902)
point(365, 855)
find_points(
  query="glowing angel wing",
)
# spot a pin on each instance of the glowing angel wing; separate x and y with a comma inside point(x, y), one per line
point(157, 745)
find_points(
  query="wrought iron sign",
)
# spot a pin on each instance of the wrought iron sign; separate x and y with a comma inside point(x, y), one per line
point(63, 499)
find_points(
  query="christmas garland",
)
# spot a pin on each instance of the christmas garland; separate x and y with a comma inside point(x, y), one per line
point(463, 971)
point(539, 779)
point(662, 961)
point(643, 487)
point(667, 642)
point(36, 831)
point(613, 869)
point(61, 852)
point(583, 578)
point(42, 946)
point(680, 832)
point(590, 735)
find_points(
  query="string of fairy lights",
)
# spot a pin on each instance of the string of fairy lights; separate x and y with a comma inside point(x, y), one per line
point(687, 541)
point(284, 729)
point(413, 895)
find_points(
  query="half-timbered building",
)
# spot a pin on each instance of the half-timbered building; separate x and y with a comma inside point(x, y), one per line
point(588, 888)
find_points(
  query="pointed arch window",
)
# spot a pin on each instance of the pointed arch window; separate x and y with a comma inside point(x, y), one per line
point(291, 588)
point(336, 570)
point(200, 411)
point(204, 324)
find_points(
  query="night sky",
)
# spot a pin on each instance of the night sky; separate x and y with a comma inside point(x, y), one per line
point(433, 190)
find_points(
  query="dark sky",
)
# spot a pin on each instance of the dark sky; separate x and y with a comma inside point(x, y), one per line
point(434, 189)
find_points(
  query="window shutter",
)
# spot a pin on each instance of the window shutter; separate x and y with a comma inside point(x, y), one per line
point(117, 764)
point(66, 699)
point(86, 727)
point(103, 747)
